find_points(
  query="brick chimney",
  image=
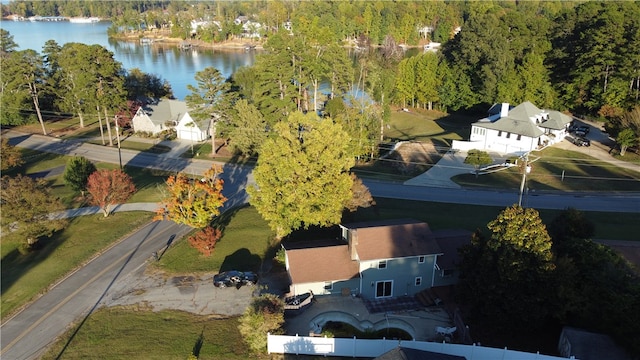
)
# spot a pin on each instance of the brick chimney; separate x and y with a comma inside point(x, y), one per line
point(504, 110)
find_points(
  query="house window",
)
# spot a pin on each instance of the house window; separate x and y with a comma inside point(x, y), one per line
point(382, 264)
point(328, 285)
point(519, 137)
point(499, 133)
point(383, 288)
point(420, 259)
point(418, 281)
point(508, 135)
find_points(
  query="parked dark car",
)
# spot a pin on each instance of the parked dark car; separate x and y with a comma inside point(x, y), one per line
point(578, 140)
point(580, 130)
point(583, 141)
point(235, 278)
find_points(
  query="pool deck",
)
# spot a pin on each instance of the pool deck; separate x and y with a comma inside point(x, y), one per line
point(422, 320)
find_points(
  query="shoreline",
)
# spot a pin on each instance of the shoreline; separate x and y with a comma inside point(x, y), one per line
point(162, 38)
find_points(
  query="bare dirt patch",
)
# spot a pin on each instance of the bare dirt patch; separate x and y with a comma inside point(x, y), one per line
point(414, 157)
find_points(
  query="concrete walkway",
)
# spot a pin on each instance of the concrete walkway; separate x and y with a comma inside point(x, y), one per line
point(452, 163)
point(91, 210)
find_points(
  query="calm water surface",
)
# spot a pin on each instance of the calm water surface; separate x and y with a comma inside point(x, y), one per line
point(166, 61)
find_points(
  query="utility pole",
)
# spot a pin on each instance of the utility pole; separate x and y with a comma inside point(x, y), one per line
point(115, 118)
point(525, 170)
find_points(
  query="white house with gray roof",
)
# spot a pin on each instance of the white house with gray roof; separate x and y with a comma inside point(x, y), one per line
point(516, 130)
point(157, 117)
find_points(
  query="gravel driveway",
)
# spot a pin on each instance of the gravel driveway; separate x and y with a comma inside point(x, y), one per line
point(194, 294)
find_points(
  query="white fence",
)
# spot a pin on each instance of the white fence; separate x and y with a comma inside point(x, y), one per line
point(283, 344)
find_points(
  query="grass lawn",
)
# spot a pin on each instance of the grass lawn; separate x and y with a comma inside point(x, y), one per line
point(24, 276)
point(246, 240)
point(424, 125)
point(581, 173)
point(125, 333)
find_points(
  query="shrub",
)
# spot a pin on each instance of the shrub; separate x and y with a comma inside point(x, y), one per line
point(264, 315)
point(205, 240)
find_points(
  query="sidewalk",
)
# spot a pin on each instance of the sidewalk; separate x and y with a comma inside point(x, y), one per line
point(91, 210)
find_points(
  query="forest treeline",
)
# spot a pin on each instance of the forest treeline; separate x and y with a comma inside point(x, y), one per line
point(581, 57)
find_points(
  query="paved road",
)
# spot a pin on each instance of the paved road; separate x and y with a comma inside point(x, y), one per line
point(28, 333)
point(237, 177)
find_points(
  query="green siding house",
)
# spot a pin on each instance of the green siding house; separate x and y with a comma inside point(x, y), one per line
point(377, 260)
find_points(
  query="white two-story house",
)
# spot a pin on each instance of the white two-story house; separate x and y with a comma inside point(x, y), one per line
point(516, 130)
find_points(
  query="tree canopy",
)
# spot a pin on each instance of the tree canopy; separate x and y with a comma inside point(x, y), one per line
point(193, 202)
point(108, 188)
point(26, 206)
point(302, 176)
point(77, 172)
point(507, 275)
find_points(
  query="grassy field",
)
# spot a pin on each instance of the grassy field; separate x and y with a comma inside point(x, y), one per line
point(246, 240)
point(557, 169)
point(25, 276)
point(109, 333)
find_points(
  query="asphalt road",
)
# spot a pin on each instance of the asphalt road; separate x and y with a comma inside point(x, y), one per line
point(237, 177)
point(28, 333)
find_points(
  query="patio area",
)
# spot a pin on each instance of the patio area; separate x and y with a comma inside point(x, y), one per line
point(403, 312)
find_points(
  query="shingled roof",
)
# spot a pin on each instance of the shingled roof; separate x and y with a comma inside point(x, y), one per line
point(394, 239)
point(520, 120)
point(327, 263)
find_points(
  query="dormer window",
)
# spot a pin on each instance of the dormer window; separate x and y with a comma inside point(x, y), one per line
point(382, 264)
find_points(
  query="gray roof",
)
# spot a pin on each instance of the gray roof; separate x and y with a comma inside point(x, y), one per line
point(166, 110)
point(518, 121)
point(586, 345)
point(402, 353)
point(556, 121)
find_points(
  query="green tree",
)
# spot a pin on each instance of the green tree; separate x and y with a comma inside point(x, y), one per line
point(10, 156)
point(77, 172)
point(264, 315)
point(626, 138)
point(477, 158)
point(302, 174)
point(248, 128)
point(7, 44)
point(406, 82)
point(209, 100)
point(26, 206)
point(428, 79)
point(193, 202)
point(139, 85)
point(507, 276)
point(22, 74)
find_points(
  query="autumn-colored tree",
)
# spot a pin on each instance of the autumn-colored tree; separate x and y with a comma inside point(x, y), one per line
point(205, 240)
point(10, 156)
point(193, 202)
point(361, 196)
point(26, 205)
point(108, 188)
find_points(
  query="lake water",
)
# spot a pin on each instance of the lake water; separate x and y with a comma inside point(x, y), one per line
point(176, 66)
